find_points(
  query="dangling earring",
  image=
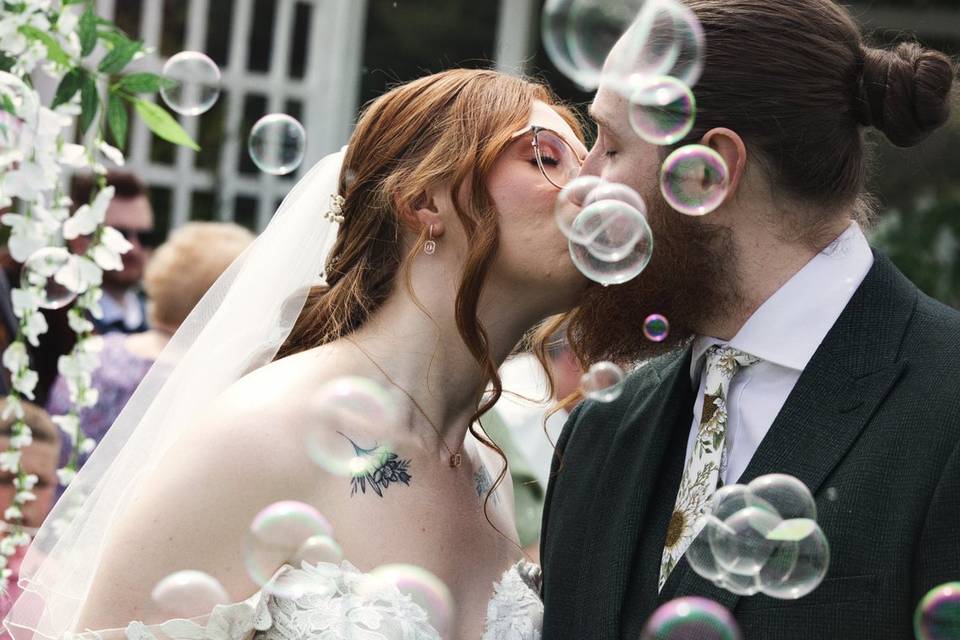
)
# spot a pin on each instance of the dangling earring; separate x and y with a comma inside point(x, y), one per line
point(431, 245)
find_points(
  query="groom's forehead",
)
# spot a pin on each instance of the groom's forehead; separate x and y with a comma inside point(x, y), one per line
point(609, 109)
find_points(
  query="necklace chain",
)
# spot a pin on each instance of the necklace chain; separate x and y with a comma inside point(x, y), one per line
point(456, 457)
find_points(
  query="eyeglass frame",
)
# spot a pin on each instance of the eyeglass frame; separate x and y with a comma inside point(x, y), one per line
point(536, 129)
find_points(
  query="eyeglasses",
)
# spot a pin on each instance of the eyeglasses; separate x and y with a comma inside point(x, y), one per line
point(559, 162)
point(147, 239)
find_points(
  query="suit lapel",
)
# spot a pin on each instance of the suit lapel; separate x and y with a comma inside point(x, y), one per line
point(842, 387)
point(623, 495)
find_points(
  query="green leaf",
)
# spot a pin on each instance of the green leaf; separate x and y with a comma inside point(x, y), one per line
point(117, 119)
point(54, 50)
point(163, 124)
point(144, 83)
point(6, 102)
point(67, 88)
point(89, 102)
point(119, 56)
point(87, 31)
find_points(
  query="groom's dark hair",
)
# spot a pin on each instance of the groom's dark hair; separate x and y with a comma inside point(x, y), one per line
point(796, 80)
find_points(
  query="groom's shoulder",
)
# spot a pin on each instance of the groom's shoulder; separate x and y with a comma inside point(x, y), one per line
point(932, 341)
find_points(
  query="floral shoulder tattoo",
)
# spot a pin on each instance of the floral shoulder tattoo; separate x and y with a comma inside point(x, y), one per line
point(381, 468)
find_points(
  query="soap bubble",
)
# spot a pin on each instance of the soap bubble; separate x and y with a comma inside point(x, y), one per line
point(665, 39)
point(605, 271)
point(741, 546)
point(800, 561)
point(694, 180)
point(38, 273)
point(603, 381)
point(425, 590)
point(578, 35)
point(570, 203)
point(691, 618)
point(277, 536)
point(196, 83)
point(662, 111)
point(612, 222)
point(186, 594)
point(343, 411)
point(791, 498)
point(318, 549)
point(277, 143)
point(656, 327)
point(938, 614)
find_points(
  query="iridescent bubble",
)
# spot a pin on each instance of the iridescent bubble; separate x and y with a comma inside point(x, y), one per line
point(691, 618)
point(799, 562)
point(938, 614)
point(578, 35)
point(606, 271)
point(694, 180)
point(345, 410)
point(790, 497)
point(603, 381)
point(196, 83)
point(742, 546)
point(700, 555)
point(277, 143)
point(739, 584)
point(276, 537)
point(38, 273)
point(425, 589)
point(665, 39)
point(656, 327)
point(570, 202)
point(319, 549)
point(662, 112)
point(185, 594)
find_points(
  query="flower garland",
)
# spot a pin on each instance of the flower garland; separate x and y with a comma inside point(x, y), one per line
point(60, 39)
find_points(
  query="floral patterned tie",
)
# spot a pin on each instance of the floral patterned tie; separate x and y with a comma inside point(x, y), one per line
point(702, 472)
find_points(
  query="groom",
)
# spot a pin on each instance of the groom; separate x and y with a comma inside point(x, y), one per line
point(809, 353)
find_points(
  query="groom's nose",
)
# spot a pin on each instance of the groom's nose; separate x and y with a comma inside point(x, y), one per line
point(593, 163)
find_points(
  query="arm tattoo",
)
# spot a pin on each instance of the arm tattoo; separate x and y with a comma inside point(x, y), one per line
point(482, 483)
point(381, 468)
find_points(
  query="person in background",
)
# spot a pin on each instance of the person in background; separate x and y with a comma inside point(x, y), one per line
point(179, 273)
point(130, 213)
point(39, 458)
point(527, 420)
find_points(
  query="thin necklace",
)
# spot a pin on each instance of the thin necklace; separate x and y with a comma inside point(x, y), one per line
point(455, 457)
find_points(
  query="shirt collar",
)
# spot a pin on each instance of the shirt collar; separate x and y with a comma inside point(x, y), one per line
point(789, 326)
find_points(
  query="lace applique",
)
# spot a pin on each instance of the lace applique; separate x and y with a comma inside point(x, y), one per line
point(516, 611)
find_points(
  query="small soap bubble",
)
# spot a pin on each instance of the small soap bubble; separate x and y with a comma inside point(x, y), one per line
point(603, 381)
point(656, 327)
point(691, 618)
point(39, 273)
point(694, 180)
point(570, 203)
point(938, 614)
point(344, 411)
point(277, 144)
point(424, 588)
point(605, 271)
point(790, 497)
point(799, 562)
point(662, 112)
point(276, 537)
point(186, 594)
point(832, 494)
point(742, 546)
point(318, 549)
point(195, 84)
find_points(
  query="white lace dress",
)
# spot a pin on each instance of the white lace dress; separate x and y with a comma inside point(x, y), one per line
point(337, 603)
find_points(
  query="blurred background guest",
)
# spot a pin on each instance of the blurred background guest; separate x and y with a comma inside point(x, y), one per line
point(526, 422)
point(39, 458)
point(176, 277)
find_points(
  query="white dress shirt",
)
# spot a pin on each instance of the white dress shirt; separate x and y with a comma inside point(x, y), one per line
point(784, 332)
point(128, 310)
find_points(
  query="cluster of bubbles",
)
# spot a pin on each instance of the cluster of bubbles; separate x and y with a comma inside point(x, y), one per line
point(938, 614)
point(691, 618)
point(762, 537)
point(606, 227)
point(650, 52)
point(603, 382)
point(292, 532)
point(276, 142)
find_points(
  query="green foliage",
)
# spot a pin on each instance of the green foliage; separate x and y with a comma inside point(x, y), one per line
point(117, 119)
point(163, 124)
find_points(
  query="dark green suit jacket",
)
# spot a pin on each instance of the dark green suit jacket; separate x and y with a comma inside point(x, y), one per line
point(872, 427)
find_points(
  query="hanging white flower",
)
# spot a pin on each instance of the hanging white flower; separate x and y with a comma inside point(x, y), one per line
point(25, 382)
point(33, 326)
point(9, 460)
point(22, 439)
point(25, 300)
point(107, 253)
point(26, 235)
point(12, 513)
point(88, 217)
point(112, 154)
point(15, 357)
point(69, 425)
point(27, 482)
point(88, 445)
point(90, 300)
point(66, 476)
point(79, 273)
point(13, 408)
point(22, 497)
point(79, 324)
point(73, 155)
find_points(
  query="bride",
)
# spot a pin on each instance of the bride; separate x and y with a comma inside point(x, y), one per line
point(445, 254)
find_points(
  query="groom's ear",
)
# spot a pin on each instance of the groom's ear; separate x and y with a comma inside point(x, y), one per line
point(731, 148)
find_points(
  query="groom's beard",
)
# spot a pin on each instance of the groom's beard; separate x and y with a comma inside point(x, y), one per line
point(691, 279)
